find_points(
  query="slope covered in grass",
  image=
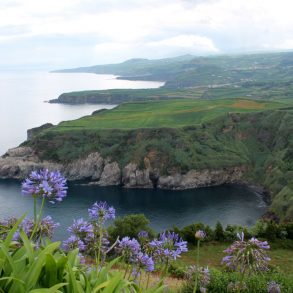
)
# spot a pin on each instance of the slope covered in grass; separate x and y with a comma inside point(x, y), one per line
point(174, 114)
point(182, 135)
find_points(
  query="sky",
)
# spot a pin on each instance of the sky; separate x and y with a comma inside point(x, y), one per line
point(55, 34)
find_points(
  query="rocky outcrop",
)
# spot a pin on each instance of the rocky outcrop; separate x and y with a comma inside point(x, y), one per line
point(19, 162)
point(133, 177)
point(90, 168)
point(201, 178)
point(31, 133)
point(111, 175)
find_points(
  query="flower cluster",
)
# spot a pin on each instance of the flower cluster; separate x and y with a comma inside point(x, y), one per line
point(45, 228)
point(5, 226)
point(132, 253)
point(274, 287)
point(47, 184)
point(200, 235)
point(85, 235)
point(168, 246)
point(247, 256)
point(236, 287)
point(101, 212)
point(203, 276)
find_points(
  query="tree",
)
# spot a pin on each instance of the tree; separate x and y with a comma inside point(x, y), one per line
point(129, 225)
point(219, 232)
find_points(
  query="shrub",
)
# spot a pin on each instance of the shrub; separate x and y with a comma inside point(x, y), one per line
point(130, 226)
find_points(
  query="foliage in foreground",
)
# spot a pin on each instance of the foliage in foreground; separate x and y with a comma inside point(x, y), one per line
point(31, 263)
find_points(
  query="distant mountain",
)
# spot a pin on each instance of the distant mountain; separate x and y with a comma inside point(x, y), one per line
point(191, 71)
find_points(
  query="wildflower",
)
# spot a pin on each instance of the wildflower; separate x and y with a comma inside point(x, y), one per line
point(200, 235)
point(274, 287)
point(168, 246)
point(143, 234)
point(143, 261)
point(81, 229)
point(236, 287)
point(73, 242)
point(129, 248)
point(247, 256)
point(47, 184)
point(101, 212)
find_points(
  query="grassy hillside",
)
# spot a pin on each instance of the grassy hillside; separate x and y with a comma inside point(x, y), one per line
point(181, 135)
point(254, 90)
point(175, 113)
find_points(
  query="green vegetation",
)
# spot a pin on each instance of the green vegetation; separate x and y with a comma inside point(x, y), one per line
point(157, 114)
point(181, 135)
point(191, 71)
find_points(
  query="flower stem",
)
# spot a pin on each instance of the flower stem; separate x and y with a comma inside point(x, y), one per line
point(197, 266)
point(35, 209)
point(99, 248)
point(37, 218)
point(148, 281)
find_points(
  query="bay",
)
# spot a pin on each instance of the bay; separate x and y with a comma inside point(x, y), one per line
point(22, 106)
point(229, 204)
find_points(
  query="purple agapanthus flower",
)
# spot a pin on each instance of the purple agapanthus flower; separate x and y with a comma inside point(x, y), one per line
point(145, 262)
point(200, 235)
point(168, 246)
point(143, 234)
point(128, 248)
point(101, 212)
point(247, 256)
point(274, 287)
point(73, 242)
point(82, 229)
point(45, 183)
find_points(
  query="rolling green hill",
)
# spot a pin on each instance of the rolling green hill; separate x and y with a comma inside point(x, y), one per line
point(190, 71)
point(174, 114)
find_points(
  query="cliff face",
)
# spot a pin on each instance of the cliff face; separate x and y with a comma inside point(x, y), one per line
point(19, 162)
point(235, 148)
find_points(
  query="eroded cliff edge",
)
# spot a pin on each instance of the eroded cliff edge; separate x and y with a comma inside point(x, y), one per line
point(251, 148)
point(17, 163)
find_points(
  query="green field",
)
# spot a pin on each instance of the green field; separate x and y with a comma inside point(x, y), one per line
point(174, 113)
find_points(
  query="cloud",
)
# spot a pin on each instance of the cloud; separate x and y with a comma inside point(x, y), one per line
point(192, 42)
point(100, 31)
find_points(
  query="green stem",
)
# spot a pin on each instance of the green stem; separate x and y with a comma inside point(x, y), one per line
point(126, 271)
point(99, 248)
point(148, 281)
point(140, 278)
point(39, 217)
point(197, 266)
point(35, 209)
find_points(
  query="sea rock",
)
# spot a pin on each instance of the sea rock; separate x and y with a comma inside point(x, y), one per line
point(111, 175)
point(18, 162)
point(133, 177)
point(90, 168)
point(201, 178)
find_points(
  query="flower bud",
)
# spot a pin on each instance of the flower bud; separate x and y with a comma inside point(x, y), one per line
point(200, 235)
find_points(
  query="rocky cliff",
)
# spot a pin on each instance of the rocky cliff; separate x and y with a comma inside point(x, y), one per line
point(19, 162)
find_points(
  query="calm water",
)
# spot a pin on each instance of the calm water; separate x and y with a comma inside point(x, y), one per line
point(22, 106)
point(164, 208)
point(22, 97)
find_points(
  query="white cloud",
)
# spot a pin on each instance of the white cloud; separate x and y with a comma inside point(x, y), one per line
point(116, 30)
point(193, 42)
